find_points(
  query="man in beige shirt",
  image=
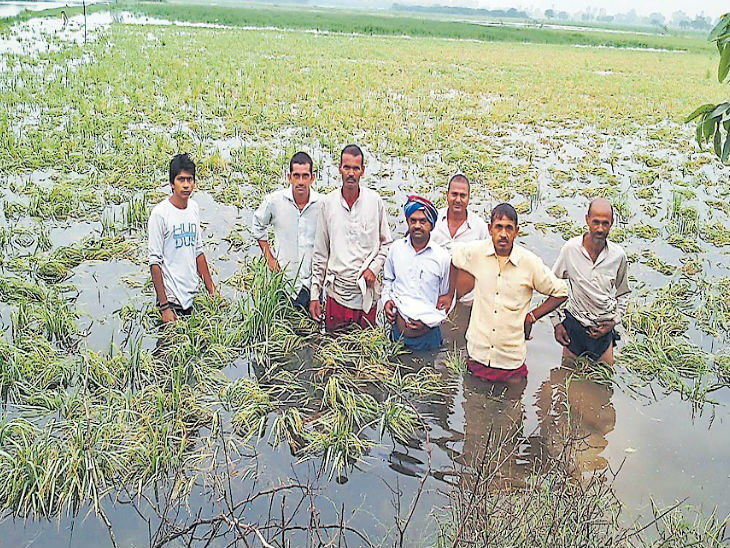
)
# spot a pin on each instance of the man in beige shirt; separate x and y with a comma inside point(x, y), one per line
point(505, 276)
point(350, 247)
point(597, 273)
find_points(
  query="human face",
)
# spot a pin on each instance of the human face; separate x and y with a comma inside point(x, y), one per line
point(599, 221)
point(457, 197)
point(351, 169)
point(419, 228)
point(183, 185)
point(503, 232)
point(301, 178)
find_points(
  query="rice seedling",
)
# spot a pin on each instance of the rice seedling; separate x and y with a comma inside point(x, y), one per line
point(456, 361)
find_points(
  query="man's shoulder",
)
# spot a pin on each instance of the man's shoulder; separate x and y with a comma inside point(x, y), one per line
point(475, 246)
point(440, 252)
point(615, 249)
point(574, 243)
point(161, 207)
point(526, 255)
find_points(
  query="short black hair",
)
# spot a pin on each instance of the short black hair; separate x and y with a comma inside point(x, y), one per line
point(353, 150)
point(504, 210)
point(301, 158)
point(181, 162)
point(461, 178)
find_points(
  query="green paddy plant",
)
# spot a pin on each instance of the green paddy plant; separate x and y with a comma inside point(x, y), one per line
point(14, 289)
point(717, 234)
point(399, 419)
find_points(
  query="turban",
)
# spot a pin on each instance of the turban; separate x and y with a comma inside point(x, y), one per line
point(416, 203)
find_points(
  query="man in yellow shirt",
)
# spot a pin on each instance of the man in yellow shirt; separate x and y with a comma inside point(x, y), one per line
point(505, 276)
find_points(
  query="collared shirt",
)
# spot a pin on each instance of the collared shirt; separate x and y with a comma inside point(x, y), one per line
point(294, 232)
point(348, 242)
point(496, 336)
point(598, 291)
point(414, 280)
point(474, 228)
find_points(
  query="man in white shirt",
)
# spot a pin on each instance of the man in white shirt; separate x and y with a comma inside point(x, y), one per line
point(416, 274)
point(350, 247)
point(293, 213)
point(597, 274)
point(456, 225)
point(176, 255)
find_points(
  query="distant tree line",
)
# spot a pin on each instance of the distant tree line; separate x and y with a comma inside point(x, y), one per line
point(456, 10)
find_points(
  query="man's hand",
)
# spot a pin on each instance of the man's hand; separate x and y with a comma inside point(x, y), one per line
point(315, 310)
point(444, 302)
point(272, 263)
point(390, 311)
point(561, 335)
point(168, 315)
point(416, 325)
point(602, 329)
point(529, 322)
point(369, 277)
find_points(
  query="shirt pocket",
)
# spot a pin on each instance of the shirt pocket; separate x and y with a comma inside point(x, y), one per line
point(362, 233)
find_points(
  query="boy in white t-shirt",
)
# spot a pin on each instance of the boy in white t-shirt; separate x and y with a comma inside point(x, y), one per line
point(176, 244)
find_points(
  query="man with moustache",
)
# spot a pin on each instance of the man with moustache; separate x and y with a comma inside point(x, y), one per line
point(293, 213)
point(597, 274)
point(457, 225)
point(350, 247)
point(505, 277)
point(416, 274)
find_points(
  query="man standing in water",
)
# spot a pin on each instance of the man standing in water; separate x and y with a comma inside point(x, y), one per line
point(176, 245)
point(505, 274)
point(597, 274)
point(416, 275)
point(293, 212)
point(350, 247)
point(456, 225)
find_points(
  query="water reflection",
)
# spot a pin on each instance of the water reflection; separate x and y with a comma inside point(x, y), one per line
point(577, 413)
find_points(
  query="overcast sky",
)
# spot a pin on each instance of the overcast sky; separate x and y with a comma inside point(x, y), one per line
point(714, 8)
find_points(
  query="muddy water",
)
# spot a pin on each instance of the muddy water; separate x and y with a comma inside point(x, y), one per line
point(665, 451)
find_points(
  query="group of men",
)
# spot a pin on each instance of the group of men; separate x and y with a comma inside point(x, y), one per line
point(338, 251)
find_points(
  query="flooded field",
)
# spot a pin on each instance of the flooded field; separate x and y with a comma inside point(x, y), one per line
point(246, 424)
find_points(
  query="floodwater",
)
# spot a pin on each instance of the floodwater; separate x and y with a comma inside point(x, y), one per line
point(10, 9)
point(665, 449)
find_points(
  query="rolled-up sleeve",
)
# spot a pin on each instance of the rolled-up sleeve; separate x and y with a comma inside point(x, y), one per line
point(261, 220)
point(560, 270)
point(376, 265)
point(388, 277)
point(320, 254)
point(622, 290)
point(546, 282)
point(155, 238)
point(460, 256)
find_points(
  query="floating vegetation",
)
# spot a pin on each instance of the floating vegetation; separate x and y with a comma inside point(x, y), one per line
point(716, 234)
point(567, 229)
point(644, 231)
point(652, 260)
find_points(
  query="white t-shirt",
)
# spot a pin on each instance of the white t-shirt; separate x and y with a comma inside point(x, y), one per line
point(175, 241)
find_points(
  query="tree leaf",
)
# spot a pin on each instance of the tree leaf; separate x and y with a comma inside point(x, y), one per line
point(701, 110)
point(726, 149)
point(724, 67)
point(718, 142)
point(708, 129)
